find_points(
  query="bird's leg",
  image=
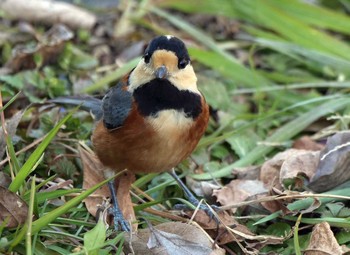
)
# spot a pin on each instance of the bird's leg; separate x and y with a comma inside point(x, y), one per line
point(191, 198)
point(117, 213)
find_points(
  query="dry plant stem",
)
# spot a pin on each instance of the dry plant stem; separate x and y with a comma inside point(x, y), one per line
point(281, 197)
point(136, 196)
point(167, 215)
point(29, 146)
point(144, 194)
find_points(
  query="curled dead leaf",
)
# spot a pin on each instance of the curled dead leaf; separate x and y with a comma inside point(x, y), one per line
point(304, 163)
point(270, 170)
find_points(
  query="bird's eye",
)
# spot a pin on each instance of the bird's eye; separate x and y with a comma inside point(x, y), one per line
point(183, 63)
point(146, 57)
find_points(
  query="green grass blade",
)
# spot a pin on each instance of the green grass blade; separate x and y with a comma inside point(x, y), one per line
point(13, 159)
point(29, 222)
point(222, 7)
point(35, 156)
point(211, 44)
point(296, 236)
point(10, 102)
point(271, 17)
point(316, 15)
point(51, 216)
point(303, 54)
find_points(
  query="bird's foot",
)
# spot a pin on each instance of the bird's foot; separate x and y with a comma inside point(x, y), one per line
point(118, 217)
point(119, 220)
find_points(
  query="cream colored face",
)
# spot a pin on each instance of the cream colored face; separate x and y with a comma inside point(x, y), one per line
point(183, 79)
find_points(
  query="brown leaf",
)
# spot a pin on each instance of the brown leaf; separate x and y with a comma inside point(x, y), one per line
point(304, 163)
point(306, 143)
point(171, 238)
point(238, 191)
point(322, 241)
point(51, 45)
point(93, 174)
point(13, 209)
point(270, 170)
point(334, 164)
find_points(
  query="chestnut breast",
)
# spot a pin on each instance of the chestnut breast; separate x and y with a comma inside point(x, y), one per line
point(150, 144)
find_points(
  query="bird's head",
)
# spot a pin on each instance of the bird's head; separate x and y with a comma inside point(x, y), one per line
point(166, 57)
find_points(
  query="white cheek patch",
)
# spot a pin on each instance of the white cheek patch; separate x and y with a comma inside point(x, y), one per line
point(185, 79)
point(139, 76)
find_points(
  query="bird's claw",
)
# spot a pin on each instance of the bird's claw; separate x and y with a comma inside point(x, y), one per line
point(118, 220)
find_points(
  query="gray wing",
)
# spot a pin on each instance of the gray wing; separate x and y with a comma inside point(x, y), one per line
point(116, 106)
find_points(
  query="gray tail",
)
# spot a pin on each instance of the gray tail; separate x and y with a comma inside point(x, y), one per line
point(87, 103)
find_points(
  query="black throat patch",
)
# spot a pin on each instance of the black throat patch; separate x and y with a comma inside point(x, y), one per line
point(158, 95)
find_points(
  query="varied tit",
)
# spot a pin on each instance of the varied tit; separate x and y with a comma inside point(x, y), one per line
point(152, 119)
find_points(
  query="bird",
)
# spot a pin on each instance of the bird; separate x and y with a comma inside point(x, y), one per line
point(151, 120)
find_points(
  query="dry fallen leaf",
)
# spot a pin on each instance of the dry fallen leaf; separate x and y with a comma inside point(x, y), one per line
point(238, 191)
point(270, 170)
point(304, 163)
point(13, 209)
point(322, 241)
point(171, 238)
point(93, 174)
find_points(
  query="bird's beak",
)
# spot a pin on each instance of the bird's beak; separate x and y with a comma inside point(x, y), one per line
point(161, 72)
